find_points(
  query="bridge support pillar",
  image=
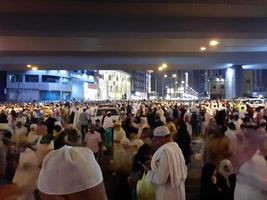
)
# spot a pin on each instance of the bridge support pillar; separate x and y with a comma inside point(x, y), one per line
point(234, 82)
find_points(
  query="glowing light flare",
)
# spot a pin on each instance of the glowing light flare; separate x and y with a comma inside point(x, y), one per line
point(164, 65)
point(203, 48)
point(213, 43)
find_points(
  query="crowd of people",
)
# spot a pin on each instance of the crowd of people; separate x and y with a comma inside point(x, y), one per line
point(57, 150)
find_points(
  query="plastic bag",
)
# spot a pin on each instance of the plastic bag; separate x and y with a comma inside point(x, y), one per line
point(145, 189)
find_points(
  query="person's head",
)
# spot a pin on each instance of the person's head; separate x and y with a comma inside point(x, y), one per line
point(235, 116)
point(161, 136)
point(117, 125)
point(232, 126)
point(97, 122)
point(41, 130)
point(146, 132)
point(92, 129)
point(72, 136)
point(142, 157)
point(78, 175)
point(33, 127)
point(19, 124)
point(168, 118)
point(5, 136)
point(226, 168)
point(109, 114)
point(143, 120)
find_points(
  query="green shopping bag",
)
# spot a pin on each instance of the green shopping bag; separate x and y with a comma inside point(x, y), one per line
point(145, 189)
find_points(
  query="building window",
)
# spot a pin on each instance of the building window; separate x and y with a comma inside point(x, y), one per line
point(15, 78)
point(50, 79)
point(65, 81)
point(31, 78)
point(66, 95)
point(46, 95)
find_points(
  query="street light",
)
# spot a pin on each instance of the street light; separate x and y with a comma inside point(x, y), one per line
point(165, 76)
point(164, 65)
point(174, 75)
point(160, 68)
point(203, 48)
point(213, 43)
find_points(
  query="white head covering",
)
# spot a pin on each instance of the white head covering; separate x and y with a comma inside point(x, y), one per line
point(161, 131)
point(57, 123)
point(33, 126)
point(143, 119)
point(69, 170)
point(262, 122)
point(227, 163)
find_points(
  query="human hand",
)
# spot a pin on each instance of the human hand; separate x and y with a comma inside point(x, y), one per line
point(214, 179)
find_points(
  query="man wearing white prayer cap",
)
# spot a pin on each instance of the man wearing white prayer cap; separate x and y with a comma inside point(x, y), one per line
point(71, 173)
point(168, 170)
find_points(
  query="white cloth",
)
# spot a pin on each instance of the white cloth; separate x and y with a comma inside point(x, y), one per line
point(76, 120)
point(27, 170)
point(108, 123)
point(32, 137)
point(43, 149)
point(252, 179)
point(19, 133)
point(119, 135)
point(27, 173)
point(168, 172)
point(69, 170)
point(161, 131)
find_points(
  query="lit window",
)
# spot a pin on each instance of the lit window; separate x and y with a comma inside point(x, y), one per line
point(50, 79)
point(31, 78)
point(15, 78)
point(65, 81)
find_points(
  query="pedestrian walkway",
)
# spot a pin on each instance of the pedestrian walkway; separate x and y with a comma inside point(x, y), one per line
point(194, 173)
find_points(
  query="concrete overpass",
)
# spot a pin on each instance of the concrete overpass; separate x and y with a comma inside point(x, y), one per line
point(67, 34)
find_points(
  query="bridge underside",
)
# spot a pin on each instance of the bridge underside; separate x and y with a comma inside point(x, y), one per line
point(88, 35)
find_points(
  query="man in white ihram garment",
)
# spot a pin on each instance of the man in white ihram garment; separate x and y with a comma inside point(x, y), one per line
point(168, 170)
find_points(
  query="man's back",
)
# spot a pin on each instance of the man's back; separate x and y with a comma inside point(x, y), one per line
point(84, 118)
point(169, 172)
